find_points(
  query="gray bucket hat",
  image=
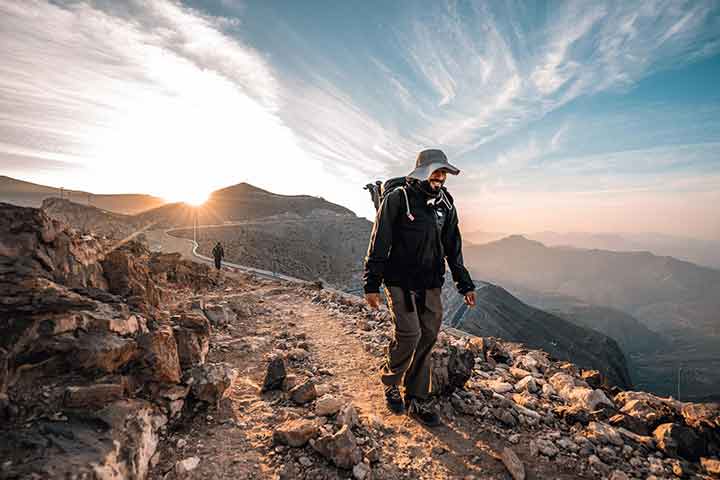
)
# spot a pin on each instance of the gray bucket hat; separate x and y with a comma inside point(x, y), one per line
point(430, 160)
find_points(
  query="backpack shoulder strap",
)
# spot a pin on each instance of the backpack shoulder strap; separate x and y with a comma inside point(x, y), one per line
point(408, 213)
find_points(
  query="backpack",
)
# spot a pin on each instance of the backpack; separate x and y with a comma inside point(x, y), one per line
point(378, 192)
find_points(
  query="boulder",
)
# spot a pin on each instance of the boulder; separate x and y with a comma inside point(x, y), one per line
point(192, 332)
point(303, 393)
point(513, 464)
point(296, 433)
point(648, 408)
point(678, 440)
point(572, 414)
point(327, 405)
point(711, 466)
point(593, 378)
point(546, 447)
point(519, 373)
point(275, 374)
point(340, 448)
point(602, 433)
point(348, 416)
point(93, 396)
point(159, 355)
point(577, 392)
point(102, 351)
point(210, 383)
point(460, 367)
point(527, 383)
point(219, 315)
point(130, 278)
point(498, 386)
point(629, 422)
point(185, 466)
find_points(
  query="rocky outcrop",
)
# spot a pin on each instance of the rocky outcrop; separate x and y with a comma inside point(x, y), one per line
point(91, 359)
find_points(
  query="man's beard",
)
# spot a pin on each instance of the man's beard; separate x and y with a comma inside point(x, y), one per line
point(428, 188)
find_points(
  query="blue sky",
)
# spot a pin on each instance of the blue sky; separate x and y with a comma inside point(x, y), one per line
point(570, 116)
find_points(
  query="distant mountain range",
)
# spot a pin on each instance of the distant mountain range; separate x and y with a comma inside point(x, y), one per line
point(663, 292)
point(678, 301)
point(701, 252)
point(26, 194)
point(231, 204)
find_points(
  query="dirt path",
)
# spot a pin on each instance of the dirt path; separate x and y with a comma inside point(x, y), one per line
point(235, 441)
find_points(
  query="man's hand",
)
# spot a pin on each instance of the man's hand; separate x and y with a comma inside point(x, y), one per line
point(469, 299)
point(373, 300)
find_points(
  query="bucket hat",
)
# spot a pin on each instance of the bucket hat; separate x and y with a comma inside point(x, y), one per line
point(430, 160)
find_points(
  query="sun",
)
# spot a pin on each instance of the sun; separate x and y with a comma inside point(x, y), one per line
point(194, 199)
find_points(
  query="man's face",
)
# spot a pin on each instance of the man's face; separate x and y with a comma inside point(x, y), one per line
point(437, 179)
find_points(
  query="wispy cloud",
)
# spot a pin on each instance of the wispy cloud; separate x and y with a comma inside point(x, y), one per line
point(102, 83)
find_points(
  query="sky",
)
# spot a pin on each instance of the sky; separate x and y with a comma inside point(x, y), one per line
point(566, 116)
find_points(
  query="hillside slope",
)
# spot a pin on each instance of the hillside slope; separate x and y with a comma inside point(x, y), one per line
point(499, 314)
point(238, 203)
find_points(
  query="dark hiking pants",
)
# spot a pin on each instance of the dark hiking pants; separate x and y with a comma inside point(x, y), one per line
point(407, 360)
point(217, 262)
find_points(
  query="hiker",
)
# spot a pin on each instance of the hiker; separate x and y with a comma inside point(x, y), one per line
point(415, 232)
point(218, 254)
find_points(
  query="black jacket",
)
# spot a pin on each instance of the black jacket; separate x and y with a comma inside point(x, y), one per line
point(218, 252)
point(411, 253)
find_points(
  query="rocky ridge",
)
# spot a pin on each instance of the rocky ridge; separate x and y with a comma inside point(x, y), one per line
point(101, 348)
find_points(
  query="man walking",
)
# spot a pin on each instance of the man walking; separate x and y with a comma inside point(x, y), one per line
point(415, 232)
point(218, 254)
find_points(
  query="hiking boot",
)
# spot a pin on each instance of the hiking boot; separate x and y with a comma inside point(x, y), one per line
point(422, 411)
point(394, 399)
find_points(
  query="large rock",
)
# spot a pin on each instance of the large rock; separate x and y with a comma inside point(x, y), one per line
point(679, 440)
point(104, 352)
point(192, 332)
point(93, 396)
point(513, 463)
point(304, 393)
point(275, 374)
point(219, 315)
point(210, 383)
point(704, 418)
point(593, 378)
point(341, 448)
point(160, 355)
point(452, 366)
point(577, 392)
point(115, 442)
point(130, 278)
point(296, 433)
point(327, 405)
point(601, 433)
point(648, 408)
point(711, 466)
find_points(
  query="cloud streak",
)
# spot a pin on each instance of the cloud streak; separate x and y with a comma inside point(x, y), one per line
point(103, 84)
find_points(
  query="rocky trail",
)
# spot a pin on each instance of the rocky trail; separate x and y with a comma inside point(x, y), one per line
point(327, 346)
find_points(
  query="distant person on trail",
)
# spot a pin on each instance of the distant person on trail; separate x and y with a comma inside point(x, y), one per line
point(218, 254)
point(415, 232)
